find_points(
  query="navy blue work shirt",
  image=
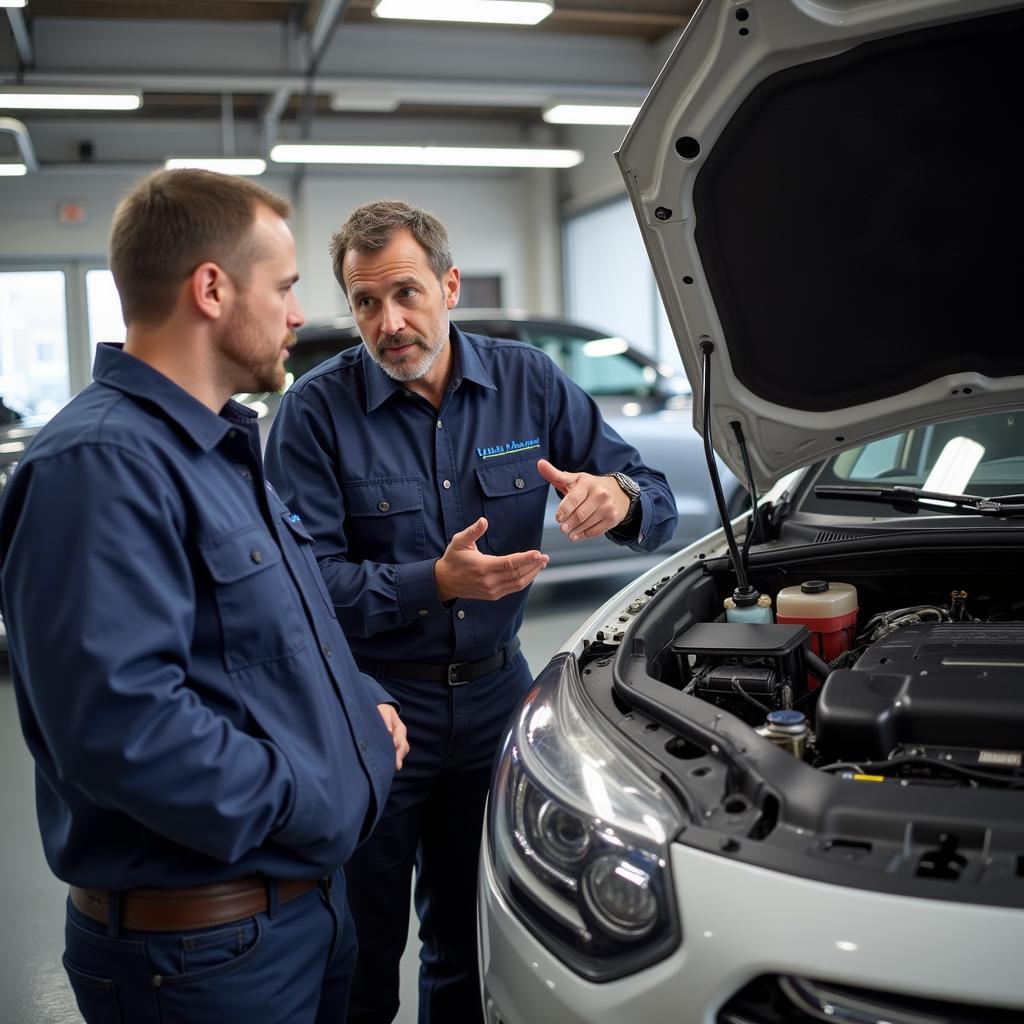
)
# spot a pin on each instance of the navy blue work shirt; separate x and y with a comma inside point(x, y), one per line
point(384, 480)
point(190, 701)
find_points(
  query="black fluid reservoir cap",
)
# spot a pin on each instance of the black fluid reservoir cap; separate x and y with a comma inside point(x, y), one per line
point(745, 597)
point(814, 587)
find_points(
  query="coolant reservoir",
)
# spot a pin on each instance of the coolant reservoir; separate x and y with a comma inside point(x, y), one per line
point(828, 610)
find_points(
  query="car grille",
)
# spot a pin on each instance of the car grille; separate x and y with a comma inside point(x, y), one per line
point(783, 999)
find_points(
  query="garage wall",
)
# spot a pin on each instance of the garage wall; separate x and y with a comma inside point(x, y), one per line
point(502, 223)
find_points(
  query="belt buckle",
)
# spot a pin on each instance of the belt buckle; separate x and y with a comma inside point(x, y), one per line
point(452, 671)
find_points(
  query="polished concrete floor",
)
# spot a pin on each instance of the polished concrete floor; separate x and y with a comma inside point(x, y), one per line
point(33, 987)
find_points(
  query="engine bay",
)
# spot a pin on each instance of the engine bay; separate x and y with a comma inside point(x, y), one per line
point(924, 683)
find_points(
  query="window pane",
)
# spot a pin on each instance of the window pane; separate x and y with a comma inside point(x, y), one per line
point(597, 364)
point(33, 341)
point(105, 323)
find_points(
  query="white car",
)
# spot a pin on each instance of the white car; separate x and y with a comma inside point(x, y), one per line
point(780, 778)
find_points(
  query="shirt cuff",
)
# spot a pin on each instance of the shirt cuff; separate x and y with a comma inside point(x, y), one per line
point(300, 825)
point(417, 590)
point(635, 531)
point(380, 695)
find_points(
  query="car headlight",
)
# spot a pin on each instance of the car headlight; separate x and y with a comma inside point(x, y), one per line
point(579, 835)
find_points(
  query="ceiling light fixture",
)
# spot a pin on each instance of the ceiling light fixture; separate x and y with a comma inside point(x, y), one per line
point(365, 100)
point(12, 170)
point(12, 3)
point(244, 165)
point(494, 12)
point(425, 156)
point(34, 97)
point(590, 113)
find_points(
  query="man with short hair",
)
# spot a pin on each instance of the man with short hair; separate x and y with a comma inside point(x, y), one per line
point(421, 462)
point(207, 753)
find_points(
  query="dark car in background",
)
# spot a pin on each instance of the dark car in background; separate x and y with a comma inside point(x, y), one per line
point(647, 402)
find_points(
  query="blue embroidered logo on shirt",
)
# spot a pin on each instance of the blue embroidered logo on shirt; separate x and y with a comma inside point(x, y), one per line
point(493, 451)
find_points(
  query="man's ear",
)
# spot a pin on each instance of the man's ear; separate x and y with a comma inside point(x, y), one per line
point(210, 290)
point(450, 285)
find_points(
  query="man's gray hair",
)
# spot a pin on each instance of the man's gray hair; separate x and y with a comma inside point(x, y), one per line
point(372, 226)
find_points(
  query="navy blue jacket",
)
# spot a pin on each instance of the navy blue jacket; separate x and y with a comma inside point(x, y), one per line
point(383, 480)
point(188, 696)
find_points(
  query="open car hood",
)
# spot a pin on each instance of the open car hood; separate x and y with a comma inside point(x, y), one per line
point(828, 197)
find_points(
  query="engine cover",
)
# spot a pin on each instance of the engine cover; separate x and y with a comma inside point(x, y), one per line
point(938, 684)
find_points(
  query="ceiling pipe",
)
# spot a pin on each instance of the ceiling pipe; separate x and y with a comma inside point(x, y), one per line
point(22, 140)
point(472, 91)
point(22, 40)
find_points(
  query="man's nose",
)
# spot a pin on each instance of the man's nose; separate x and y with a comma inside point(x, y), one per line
point(296, 314)
point(392, 318)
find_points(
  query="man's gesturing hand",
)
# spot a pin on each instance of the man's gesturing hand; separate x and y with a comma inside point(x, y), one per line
point(463, 571)
point(591, 506)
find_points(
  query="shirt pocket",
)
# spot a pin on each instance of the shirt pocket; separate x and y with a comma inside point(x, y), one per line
point(304, 542)
point(384, 519)
point(514, 495)
point(261, 616)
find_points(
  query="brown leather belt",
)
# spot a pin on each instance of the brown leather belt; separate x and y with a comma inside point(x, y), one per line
point(195, 906)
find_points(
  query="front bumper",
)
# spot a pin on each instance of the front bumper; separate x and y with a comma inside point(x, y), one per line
point(740, 922)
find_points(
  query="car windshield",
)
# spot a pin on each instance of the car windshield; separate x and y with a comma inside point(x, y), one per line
point(981, 455)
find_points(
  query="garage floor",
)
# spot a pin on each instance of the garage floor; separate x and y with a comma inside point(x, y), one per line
point(33, 987)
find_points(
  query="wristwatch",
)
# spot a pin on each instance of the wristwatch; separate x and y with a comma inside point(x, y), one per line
point(632, 491)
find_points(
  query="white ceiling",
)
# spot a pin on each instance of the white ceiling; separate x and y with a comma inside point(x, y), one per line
point(237, 75)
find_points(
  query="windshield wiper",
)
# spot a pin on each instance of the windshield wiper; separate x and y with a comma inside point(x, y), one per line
point(911, 499)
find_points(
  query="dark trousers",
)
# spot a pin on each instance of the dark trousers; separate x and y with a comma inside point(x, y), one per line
point(294, 967)
point(433, 820)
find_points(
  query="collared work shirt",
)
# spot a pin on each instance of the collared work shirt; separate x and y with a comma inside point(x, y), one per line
point(188, 696)
point(384, 480)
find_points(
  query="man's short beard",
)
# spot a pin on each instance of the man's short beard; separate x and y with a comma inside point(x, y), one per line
point(412, 366)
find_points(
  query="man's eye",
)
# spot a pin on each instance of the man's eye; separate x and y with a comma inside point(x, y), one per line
point(407, 293)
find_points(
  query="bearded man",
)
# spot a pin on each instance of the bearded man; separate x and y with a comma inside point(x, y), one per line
point(207, 753)
point(421, 463)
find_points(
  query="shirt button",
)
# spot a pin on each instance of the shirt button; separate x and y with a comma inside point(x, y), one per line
point(256, 555)
point(383, 506)
point(462, 614)
point(440, 425)
point(423, 611)
point(232, 434)
point(246, 474)
point(446, 484)
point(520, 482)
point(362, 745)
point(326, 648)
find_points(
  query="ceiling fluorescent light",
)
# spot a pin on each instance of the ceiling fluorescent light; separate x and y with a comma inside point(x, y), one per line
point(590, 113)
point(12, 3)
point(425, 156)
point(250, 166)
point(12, 170)
point(370, 101)
point(494, 12)
point(29, 97)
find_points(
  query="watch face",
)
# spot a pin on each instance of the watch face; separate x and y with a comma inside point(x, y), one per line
point(628, 484)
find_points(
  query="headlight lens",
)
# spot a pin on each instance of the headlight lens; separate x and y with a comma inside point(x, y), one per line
point(579, 835)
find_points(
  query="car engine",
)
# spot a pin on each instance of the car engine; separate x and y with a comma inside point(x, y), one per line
point(923, 693)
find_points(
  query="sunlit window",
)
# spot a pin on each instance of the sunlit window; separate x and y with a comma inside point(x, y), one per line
point(33, 341)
